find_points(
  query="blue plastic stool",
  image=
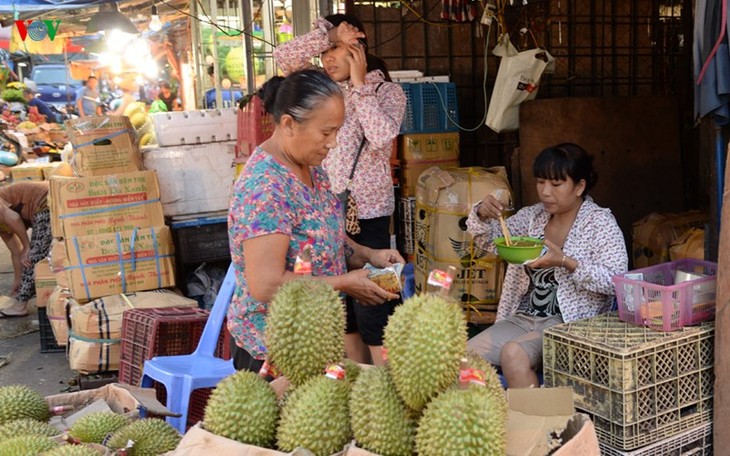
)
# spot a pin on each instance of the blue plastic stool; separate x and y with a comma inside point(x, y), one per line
point(183, 374)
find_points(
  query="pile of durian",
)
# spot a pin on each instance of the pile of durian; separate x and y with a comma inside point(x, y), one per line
point(414, 405)
point(24, 430)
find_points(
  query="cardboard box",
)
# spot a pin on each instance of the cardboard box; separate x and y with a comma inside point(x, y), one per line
point(443, 201)
point(198, 442)
point(90, 357)
point(654, 234)
point(122, 262)
point(102, 318)
point(420, 147)
point(410, 172)
point(56, 312)
point(27, 172)
point(103, 145)
point(540, 421)
point(45, 282)
point(122, 399)
point(59, 262)
point(195, 178)
point(104, 204)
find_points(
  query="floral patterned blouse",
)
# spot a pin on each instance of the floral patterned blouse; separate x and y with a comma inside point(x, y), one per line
point(595, 241)
point(268, 198)
point(374, 111)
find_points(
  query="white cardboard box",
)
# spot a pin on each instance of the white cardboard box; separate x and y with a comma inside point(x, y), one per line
point(195, 127)
point(195, 178)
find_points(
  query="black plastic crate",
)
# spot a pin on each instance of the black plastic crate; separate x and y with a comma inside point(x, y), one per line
point(48, 341)
point(201, 243)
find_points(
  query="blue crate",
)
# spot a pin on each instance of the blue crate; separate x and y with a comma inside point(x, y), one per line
point(429, 106)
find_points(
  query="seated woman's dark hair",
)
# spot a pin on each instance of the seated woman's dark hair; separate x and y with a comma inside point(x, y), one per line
point(563, 161)
point(298, 94)
point(337, 19)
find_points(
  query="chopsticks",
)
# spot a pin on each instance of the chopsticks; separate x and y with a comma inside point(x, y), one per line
point(505, 230)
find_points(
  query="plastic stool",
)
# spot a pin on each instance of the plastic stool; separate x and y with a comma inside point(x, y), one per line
point(183, 374)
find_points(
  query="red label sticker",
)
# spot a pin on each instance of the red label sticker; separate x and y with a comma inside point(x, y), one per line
point(335, 372)
point(439, 278)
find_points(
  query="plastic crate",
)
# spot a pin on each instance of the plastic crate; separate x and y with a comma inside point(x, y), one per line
point(48, 340)
point(201, 240)
point(639, 385)
point(147, 333)
point(431, 107)
point(649, 296)
point(254, 127)
point(695, 442)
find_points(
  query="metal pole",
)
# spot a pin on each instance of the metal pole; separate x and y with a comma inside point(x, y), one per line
point(248, 44)
point(216, 69)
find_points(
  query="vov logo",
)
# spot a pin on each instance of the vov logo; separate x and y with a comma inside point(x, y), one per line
point(38, 30)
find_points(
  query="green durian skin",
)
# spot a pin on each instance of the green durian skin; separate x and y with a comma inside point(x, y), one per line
point(380, 420)
point(468, 422)
point(26, 426)
point(151, 437)
point(19, 401)
point(316, 417)
point(305, 329)
point(426, 339)
point(492, 383)
point(243, 407)
point(26, 445)
point(94, 427)
point(73, 450)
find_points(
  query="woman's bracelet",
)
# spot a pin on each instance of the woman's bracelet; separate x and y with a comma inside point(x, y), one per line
point(562, 262)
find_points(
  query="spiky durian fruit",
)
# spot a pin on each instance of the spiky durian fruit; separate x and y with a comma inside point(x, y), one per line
point(26, 445)
point(94, 427)
point(73, 450)
point(19, 401)
point(243, 407)
point(316, 417)
point(464, 422)
point(305, 329)
point(26, 426)
point(491, 378)
point(380, 420)
point(426, 339)
point(151, 437)
point(352, 370)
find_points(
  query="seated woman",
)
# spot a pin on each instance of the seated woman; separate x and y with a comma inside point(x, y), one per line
point(282, 202)
point(570, 281)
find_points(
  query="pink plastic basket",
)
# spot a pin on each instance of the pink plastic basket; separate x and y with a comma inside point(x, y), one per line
point(650, 297)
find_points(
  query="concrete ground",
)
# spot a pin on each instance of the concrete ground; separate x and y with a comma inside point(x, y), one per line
point(20, 357)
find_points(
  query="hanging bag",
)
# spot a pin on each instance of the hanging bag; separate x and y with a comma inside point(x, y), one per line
point(349, 204)
point(517, 80)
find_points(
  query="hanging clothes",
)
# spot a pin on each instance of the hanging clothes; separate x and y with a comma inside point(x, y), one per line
point(711, 61)
point(458, 10)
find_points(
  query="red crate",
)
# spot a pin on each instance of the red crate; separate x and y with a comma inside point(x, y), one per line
point(147, 333)
point(254, 127)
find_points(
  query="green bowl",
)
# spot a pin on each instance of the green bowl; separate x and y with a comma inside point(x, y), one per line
point(518, 254)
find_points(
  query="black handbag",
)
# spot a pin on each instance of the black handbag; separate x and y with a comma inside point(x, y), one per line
point(348, 202)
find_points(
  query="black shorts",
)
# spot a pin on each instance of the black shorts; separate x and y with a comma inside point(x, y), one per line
point(242, 360)
point(370, 321)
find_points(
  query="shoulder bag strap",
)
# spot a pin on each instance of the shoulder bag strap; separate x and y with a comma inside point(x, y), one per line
point(359, 151)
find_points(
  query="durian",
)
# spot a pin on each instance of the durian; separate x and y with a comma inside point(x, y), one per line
point(464, 422)
point(248, 401)
point(305, 329)
point(352, 371)
point(94, 427)
point(316, 417)
point(26, 426)
point(26, 445)
point(380, 420)
point(73, 450)
point(151, 437)
point(426, 339)
point(19, 401)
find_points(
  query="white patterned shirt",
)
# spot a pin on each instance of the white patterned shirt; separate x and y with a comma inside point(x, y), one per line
point(595, 241)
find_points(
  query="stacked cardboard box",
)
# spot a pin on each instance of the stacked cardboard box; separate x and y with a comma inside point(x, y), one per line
point(419, 151)
point(110, 237)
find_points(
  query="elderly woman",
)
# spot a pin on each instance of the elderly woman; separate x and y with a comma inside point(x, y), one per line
point(570, 281)
point(282, 202)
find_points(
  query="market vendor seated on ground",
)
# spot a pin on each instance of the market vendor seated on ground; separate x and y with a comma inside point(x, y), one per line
point(282, 202)
point(24, 205)
point(572, 278)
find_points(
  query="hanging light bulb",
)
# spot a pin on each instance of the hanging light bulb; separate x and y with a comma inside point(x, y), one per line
point(155, 22)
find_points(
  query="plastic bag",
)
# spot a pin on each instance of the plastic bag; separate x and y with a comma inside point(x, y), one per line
point(517, 80)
